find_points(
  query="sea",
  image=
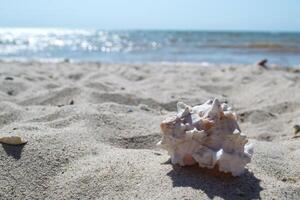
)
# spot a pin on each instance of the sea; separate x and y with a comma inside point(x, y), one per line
point(137, 46)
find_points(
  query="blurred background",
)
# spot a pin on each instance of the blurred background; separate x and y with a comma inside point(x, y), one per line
point(142, 31)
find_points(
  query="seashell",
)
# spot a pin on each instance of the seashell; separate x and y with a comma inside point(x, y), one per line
point(207, 135)
point(12, 140)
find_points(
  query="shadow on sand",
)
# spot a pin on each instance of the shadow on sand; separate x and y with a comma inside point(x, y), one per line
point(215, 183)
point(13, 150)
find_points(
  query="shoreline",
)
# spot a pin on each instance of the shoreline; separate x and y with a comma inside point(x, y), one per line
point(148, 63)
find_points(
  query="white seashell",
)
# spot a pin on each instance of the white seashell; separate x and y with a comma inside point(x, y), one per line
point(207, 135)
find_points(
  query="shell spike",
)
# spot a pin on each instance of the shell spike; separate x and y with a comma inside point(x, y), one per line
point(215, 110)
point(182, 109)
point(216, 105)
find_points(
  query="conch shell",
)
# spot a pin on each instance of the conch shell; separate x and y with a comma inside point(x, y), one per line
point(207, 135)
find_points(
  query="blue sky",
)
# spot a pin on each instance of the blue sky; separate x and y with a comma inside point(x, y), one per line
point(263, 15)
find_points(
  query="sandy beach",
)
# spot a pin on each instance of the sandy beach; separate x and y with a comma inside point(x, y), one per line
point(92, 130)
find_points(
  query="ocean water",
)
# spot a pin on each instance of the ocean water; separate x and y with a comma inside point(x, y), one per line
point(149, 46)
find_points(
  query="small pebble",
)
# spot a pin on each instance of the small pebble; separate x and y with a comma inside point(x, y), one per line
point(129, 110)
point(296, 70)
point(71, 102)
point(144, 107)
point(10, 92)
point(296, 129)
point(9, 78)
point(263, 63)
point(67, 60)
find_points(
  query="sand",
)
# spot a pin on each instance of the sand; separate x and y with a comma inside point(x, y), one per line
point(92, 129)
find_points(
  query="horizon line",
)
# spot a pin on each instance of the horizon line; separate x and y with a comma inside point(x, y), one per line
point(151, 29)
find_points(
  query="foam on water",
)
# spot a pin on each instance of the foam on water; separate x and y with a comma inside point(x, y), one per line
point(149, 46)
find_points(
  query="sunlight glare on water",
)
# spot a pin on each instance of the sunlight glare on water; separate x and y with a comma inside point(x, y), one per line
point(149, 46)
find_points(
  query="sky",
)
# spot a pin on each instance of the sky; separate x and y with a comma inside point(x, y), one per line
point(228, 15)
